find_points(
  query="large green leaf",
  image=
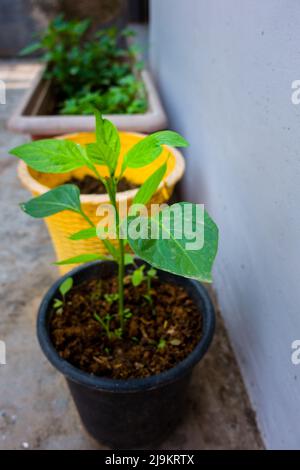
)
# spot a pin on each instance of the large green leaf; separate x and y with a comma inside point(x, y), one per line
point(85, 258)
point(142, 153)
point(65, 197)
point(149, 187)
point(51, 155)
point(169, 252)
point(149, 148)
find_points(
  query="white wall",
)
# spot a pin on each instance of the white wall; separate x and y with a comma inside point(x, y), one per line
point(224, 69)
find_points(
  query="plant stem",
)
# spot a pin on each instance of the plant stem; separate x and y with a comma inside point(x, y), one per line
point(121, 262)
point(149, 285)
point(149, 290)
point(121, 282)
point(111, 187)
point(112, 191)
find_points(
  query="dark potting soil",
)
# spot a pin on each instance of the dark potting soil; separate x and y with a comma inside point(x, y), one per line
point(155, 337)
point(90, 185)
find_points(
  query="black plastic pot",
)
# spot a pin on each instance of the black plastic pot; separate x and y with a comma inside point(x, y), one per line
point(134, 413)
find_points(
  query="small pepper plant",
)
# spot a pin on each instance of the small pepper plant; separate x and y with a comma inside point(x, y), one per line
point(166, 250)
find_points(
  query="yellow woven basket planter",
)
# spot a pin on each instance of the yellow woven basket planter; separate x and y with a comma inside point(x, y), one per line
point(62, 225)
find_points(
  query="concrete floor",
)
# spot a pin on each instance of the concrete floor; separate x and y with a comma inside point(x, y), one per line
point(36, 410)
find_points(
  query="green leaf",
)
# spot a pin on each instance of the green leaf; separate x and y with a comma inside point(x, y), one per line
point(127, 313)
point(171, 138)
point(138, 276)
point(149, 187)
point(57, 303)
point(80, 27)
point(85, 258)
point(148, 149)
point(106, 150)
point(84, 234)
point(151, 273)
point(66, 286)
point(142, 153)
point(61, 198)
point(96, 153)
point(111, 136)
point(110, 298)
point(162, 343)
point(101, 154)
point(169, 251)
point(30, 49)
point(51, 155)
point(112, 140)
point(99, 125)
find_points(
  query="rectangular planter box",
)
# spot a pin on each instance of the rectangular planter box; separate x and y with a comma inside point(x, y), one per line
point(33, 116)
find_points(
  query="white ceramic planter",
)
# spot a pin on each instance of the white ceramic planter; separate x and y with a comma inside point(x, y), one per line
point(33, 117)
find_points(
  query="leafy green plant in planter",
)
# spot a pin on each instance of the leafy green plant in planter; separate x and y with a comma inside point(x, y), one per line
point(109, 299)
point(87, 73)
point(59, 156)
